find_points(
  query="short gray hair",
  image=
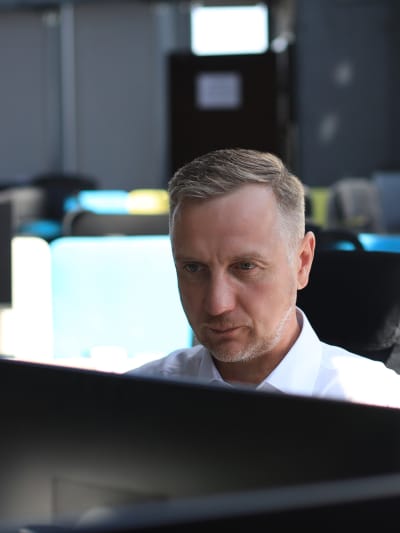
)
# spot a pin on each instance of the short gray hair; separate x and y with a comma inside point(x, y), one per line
point(222, 171)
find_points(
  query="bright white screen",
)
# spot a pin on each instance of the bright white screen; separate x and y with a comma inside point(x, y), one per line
point(229, 29)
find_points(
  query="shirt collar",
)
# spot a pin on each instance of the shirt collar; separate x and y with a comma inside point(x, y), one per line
point(298, 371)
point(295, 374)
point(207, 369)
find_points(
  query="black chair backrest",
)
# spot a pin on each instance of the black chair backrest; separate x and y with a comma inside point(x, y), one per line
point(58, 187)
point(88, 223)
point(353, 300)
point(337, 239)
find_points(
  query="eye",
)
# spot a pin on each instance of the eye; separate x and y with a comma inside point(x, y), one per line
point(192, 268)
point(246, 265)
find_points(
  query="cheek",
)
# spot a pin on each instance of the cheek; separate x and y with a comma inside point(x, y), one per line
point(189, 295)
point(270, 297)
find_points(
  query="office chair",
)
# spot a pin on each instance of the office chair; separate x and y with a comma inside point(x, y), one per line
point(58, 186)
point(120, 201)
point(27, 204)
point(148, 201)
point(353, 203)
point(387, 184)
point(380, 242)
point(335, 239)
point(353, 300)
point(98, 200)
point(88, 223)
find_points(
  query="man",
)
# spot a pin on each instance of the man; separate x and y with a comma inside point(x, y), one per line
point(237, 225)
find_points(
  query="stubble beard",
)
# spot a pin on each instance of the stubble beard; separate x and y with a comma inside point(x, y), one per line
point(255, 347)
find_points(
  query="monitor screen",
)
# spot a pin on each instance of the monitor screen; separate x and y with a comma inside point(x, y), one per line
point(74, 442)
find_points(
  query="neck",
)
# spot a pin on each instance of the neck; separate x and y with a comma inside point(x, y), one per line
point(250, 372)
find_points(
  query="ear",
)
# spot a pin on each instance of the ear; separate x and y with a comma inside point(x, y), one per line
point(305, 259)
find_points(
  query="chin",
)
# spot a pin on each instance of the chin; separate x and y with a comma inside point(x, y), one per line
point(230, 358)
point(230, 355)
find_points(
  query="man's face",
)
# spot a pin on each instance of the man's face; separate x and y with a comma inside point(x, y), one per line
point(237, 281)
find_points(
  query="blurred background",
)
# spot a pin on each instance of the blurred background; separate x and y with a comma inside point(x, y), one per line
point(102, 100)
point(106, 88)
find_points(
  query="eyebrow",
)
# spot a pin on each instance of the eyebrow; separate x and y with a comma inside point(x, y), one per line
point(246, 256)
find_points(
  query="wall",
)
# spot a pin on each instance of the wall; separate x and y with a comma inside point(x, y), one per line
point(347, 87)
point(85, 90)
point(121, 109)
point(29, 137)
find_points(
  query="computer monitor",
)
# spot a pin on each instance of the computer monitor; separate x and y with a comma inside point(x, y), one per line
point(332, 506)
point(76, 442)
point(5, 254)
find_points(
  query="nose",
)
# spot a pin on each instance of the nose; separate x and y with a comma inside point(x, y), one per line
point(220, 296)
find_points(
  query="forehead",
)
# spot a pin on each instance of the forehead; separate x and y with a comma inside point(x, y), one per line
point(246, 218)
point(243, 200)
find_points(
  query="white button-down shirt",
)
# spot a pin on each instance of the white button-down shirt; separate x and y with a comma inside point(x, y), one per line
point(310, 368)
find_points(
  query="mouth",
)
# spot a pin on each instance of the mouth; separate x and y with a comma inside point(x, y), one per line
point(224, 332)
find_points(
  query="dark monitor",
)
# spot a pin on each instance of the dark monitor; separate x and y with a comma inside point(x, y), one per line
point(331, 506)
point(76, 443)
point(5, 254)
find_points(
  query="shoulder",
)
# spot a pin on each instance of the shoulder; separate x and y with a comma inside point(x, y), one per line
point(340, 359)
point(359, 378)
point(179, 363)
